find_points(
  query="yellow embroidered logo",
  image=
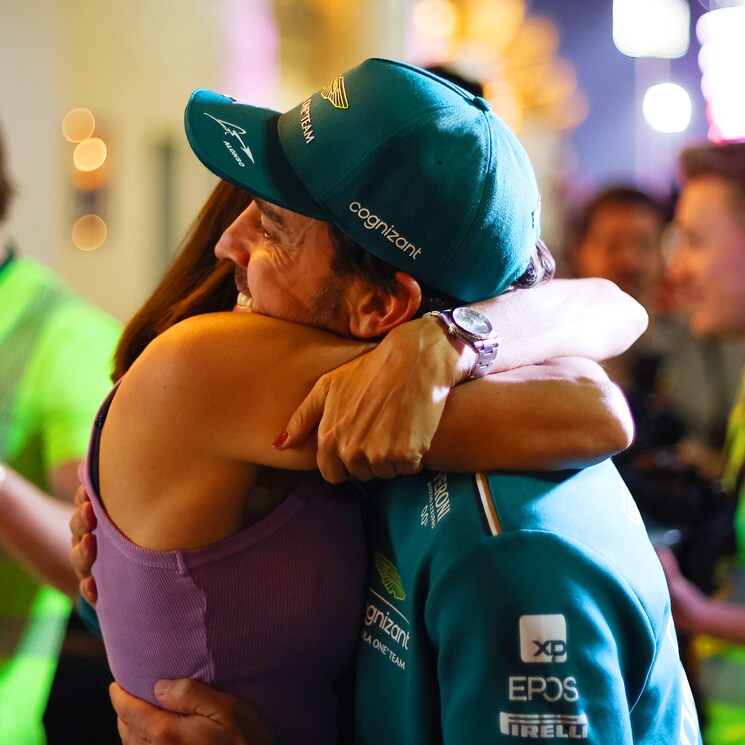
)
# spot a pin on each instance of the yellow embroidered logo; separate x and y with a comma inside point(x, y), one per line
point(336, 93)
point(389, 576)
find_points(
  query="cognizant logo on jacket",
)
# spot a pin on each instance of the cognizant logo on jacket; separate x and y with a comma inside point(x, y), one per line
point(386, 628)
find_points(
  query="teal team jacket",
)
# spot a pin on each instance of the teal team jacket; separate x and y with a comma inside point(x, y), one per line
point(509, 608)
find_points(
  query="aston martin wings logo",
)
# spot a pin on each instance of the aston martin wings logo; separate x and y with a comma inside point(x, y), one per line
point(336, 94)
point(234, 131)
point(390, 577)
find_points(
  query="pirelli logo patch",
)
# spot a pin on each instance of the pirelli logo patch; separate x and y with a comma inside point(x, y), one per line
point(544, 726)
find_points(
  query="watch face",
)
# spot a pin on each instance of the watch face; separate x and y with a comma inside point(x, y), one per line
point(472, 321)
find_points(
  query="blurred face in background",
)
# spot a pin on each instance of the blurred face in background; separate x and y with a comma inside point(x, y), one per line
point(707, 263)
point(622, 244)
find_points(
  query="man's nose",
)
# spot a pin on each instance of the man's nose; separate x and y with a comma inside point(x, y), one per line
point(677, 257)
point(235, 243)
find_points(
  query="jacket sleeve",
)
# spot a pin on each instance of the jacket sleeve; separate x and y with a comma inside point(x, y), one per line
point(536, 639)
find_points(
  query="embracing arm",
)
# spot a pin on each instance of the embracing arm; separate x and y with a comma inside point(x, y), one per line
point(590, 318)
point(565, 413)
point(213, 391)
point(562, 413)
point(377, 416)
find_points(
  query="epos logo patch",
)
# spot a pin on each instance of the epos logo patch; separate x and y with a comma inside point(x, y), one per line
point(543, 638)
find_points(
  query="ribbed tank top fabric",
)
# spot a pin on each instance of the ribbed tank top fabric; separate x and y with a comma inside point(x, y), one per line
point(270, 614)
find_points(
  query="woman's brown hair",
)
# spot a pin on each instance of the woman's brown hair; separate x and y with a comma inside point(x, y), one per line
point(195, 283)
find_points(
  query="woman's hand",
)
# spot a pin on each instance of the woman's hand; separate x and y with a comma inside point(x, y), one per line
point(377, 415)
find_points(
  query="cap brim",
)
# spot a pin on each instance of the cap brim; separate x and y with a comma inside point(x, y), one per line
point(240, 144)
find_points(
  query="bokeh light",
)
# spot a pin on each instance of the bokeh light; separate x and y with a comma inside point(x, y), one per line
point(717, 4)
point(89, 232)
point(495, 25)
point(722, 60)
point(651, 28)
point(78, 125)
point(667, 108)
point(90, 154)
point(435, 19)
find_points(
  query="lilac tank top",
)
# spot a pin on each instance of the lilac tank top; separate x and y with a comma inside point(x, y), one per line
point(270, 614)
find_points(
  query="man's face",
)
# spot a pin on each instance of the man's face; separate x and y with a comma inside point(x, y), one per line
point(623, 244)
point(707, 266)
point(283, 266)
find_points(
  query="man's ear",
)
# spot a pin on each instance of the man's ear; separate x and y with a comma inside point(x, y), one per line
point(374, 312)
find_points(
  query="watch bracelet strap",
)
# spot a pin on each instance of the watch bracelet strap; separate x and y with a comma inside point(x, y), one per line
point(484, 359)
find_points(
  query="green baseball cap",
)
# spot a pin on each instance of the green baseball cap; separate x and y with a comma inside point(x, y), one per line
point(410, 166)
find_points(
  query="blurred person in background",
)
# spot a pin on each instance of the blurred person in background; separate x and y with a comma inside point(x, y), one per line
point(55, 363)
point(707, 268)
point(679, 387)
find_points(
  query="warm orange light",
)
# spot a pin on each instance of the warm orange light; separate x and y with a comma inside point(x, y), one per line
point(90, 154)
point(89, 232)
point(435, 19)
point(505, 101)
point(78, 125)
point(495, 23)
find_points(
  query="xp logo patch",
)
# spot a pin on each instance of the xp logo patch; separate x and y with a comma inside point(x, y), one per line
point(543, 638)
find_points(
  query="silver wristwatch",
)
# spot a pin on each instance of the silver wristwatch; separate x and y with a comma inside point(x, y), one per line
point(475, 330)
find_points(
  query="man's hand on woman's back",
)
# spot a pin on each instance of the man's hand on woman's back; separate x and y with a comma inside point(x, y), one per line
point(83, 552)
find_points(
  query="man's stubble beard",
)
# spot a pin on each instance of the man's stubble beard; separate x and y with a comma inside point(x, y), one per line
point(326, 310)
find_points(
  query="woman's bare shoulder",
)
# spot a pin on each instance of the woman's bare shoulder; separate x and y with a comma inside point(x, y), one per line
point(212, 365)
point(241, 337)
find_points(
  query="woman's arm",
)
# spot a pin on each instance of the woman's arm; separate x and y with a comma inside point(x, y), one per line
point(223, 384)
point(565, 413)
point(416, 365)
point(590, 318)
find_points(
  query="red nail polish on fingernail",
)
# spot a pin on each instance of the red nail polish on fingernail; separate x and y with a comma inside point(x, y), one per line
point(280, 440)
